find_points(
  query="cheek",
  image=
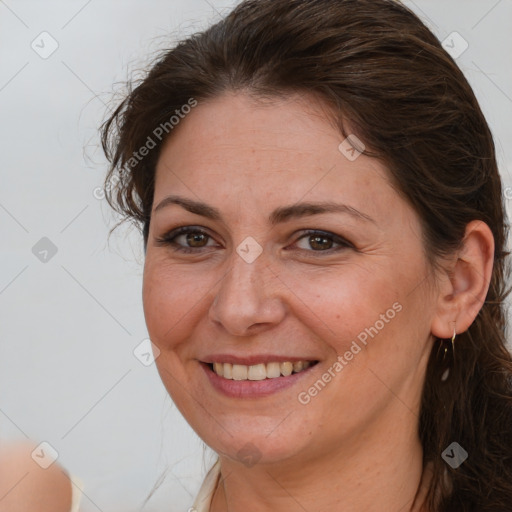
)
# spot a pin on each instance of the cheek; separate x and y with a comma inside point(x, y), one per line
point(171, 297)
point(370, 323)
point(171, 301)
point(339, 303)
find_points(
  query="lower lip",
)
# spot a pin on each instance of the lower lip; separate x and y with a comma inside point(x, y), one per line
point(252, 388)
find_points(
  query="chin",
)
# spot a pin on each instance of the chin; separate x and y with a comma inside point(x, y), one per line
point(256, 444)
point(257, 451)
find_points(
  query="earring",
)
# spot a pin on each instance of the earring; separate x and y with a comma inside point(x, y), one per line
point(447, 371)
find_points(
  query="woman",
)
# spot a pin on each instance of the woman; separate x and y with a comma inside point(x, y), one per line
point(324, 232)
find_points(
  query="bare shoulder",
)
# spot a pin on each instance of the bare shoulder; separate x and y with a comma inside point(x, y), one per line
point(25, 485)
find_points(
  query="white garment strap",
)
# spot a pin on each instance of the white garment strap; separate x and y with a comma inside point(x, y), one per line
point(205, 495)
point(76, 489)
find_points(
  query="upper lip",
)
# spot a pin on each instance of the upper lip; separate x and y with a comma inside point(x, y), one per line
point(253, 359)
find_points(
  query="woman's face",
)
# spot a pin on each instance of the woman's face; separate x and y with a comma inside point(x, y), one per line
point(298, 250)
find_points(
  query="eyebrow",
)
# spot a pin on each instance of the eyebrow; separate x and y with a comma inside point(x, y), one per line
point(279, 215)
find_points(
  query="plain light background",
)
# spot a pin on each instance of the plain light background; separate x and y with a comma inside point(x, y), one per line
point(69, 325)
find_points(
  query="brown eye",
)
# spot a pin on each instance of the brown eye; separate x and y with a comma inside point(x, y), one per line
point(196, 239)
point(319, 241)
point(186, 239)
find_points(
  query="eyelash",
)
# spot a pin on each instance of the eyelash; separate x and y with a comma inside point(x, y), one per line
point(169, 240)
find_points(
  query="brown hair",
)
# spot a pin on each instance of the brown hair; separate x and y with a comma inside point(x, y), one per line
point(378, 68)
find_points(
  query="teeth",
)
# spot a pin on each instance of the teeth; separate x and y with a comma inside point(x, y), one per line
point(259, 371)
point(298, 366)
point(219, 368)
point(286, 369)
point(228, 370)
point(239, 372)
point(273, 370)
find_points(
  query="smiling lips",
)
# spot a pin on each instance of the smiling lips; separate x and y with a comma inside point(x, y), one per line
point(260, 371)
point(254, 376)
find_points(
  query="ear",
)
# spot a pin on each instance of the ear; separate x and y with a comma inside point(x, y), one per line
point(463, 288)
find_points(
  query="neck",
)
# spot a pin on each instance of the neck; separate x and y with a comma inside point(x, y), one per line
point(366, 474)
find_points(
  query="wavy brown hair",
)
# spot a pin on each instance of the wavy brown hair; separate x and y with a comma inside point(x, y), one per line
point(381, 71)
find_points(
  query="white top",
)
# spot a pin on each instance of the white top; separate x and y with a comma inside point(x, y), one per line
point(76, 493)
point(205, 495)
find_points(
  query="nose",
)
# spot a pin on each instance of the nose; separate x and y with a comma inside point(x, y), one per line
point(249, 298)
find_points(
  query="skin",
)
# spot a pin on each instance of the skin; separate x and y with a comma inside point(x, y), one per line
point(26, 486)
point(354, 446)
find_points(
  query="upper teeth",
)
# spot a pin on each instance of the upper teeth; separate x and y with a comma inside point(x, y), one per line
point(259, 371)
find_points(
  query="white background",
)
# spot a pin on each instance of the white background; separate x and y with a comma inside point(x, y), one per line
point(68, 327)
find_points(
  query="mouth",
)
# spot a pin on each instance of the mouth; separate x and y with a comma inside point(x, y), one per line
point(256, 380)
point(261, 371)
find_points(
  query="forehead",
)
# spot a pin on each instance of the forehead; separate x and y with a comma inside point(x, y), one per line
point(235, 145)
